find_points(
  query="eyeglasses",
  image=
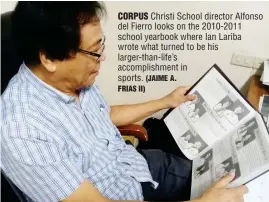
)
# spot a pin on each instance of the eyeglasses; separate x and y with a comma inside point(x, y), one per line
point(98, 55)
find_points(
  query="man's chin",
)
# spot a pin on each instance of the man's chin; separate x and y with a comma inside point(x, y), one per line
point(89, 83)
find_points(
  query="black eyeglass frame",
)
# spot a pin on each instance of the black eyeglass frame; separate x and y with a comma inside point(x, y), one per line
point(98, 55)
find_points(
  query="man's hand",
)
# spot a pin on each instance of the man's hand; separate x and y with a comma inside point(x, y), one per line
point(122, 115)
point(220, 193)
point(177, 97)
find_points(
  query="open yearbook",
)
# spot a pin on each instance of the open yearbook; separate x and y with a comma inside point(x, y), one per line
point(220, 131)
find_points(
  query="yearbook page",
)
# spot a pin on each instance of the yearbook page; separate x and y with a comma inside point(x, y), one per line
point(216, 111)
point(245, 150)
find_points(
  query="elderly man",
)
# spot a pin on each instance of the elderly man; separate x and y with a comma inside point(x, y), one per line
point(58, 135)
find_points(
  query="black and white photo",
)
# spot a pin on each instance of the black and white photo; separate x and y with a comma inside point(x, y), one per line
point(223, 105)
point(264, 107)
point(227, 166)
point(204, 163)
point(248, 126)
point(237, 171)
point(192, 105)
point(224, 168)
point(236, 112)
point(245, 139)
point(197, 113)
point(192, 143)
point(246, 134)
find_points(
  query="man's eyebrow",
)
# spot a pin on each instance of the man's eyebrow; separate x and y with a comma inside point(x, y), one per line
point(94, 44)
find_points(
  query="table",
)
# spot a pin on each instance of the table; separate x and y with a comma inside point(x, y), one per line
point(256, 90)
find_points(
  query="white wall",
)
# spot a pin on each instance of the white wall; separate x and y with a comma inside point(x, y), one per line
point(7, 6)
point(255, 42)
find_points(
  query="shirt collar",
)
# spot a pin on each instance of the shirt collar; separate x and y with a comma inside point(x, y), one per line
point(41, 85)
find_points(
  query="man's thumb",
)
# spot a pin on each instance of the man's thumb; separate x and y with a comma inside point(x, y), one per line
point(224, 182)
point(190, 97)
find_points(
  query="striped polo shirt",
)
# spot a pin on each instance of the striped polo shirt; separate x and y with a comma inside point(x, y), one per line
point(50, 143)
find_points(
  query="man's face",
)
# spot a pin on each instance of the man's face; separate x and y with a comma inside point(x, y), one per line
point(247, 137)
point(238, 110)
point(251, 124)
point(196, 100)
point(198, 145)
point(226, 104)
point(81, 70)
point(208, 155)
point(188, 137)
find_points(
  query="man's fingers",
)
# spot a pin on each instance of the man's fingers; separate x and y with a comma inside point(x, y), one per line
point(185, 88)
point(241, 190)
point(223, 183)
point(239, 199)
point(190, 97)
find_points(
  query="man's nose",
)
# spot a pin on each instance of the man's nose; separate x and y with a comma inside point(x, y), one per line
point(103, 57)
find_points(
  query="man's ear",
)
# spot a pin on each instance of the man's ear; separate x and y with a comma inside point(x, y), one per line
point(47, 63)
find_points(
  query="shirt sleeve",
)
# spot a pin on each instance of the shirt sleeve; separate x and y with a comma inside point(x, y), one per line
point(40, 167)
